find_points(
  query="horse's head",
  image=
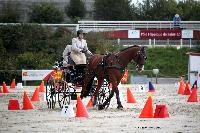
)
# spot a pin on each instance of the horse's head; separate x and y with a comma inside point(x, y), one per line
point(140, 58)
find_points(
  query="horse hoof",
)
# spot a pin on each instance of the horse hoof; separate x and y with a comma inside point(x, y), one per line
point(119, 107)
point(100, 107)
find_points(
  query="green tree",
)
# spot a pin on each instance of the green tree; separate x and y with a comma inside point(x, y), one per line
point(113, 10)
point(45, 13)
point(190, 10)
point(9, 13)
point(75, 10)
point(164, 9)
point(144, 10)
point(158, 10)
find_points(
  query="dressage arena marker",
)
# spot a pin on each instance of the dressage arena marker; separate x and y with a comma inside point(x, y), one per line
point(161, 111)
point(13, 84)
point(13, 105)
point(67, 111)
point(141, 88)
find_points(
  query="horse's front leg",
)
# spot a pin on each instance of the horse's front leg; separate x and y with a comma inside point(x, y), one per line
point(116, 91)
point(119, 104)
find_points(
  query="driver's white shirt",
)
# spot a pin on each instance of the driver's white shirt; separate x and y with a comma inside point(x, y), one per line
point(78, 45)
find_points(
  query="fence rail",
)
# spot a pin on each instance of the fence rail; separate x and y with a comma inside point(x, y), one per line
point(127, 25)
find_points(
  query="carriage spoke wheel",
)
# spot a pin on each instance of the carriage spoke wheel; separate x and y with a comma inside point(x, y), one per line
point(63, 95)
point(50, 94)
point(104, 93)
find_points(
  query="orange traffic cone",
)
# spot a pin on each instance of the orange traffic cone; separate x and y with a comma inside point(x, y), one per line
point(5, 89)
point(35, 96)
point(27, 103)
point(181, 87)
point(161, 111)
point(13, 105)
point(41, 88)
point(187, 89)
point(193, 97)
point(89, 105)
point(13, 85)
point(147, 111)
point(130, 98)
point(81, 110)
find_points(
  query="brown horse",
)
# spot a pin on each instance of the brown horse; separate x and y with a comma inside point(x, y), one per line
point(111, 67)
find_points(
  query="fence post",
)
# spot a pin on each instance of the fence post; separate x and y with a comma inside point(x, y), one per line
point(168, 42)
point(181, 42)
point(150, 42)
point(118, 41)
point(77, 27)
point(190, 43)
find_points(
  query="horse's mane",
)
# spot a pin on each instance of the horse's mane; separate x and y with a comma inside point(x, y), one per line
point(129, 47)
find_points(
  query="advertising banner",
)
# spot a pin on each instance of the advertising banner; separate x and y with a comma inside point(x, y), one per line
point(160, 34)
point(187, 33)
point(29, 75)
point(133, 33)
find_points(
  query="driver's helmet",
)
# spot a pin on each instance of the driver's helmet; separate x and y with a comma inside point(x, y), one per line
point(79, 32)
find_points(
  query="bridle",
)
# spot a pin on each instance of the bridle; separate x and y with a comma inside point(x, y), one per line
point(140, 55)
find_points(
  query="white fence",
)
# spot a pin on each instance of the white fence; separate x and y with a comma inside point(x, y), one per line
point(127, 25)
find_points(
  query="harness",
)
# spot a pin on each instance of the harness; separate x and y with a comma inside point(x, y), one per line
point(105, 64)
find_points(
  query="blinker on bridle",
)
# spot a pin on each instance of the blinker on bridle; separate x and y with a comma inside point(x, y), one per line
point(140, 55)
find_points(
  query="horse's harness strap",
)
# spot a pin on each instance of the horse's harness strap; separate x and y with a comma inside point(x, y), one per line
point(104, 64)
point(117, 66)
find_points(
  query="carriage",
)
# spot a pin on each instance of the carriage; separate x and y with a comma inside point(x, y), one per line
point(64, 85)
point(94, 78)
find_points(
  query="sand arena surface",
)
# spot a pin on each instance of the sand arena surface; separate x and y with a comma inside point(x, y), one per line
point(183, 116)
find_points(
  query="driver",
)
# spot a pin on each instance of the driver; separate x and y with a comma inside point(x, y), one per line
point(79, 48)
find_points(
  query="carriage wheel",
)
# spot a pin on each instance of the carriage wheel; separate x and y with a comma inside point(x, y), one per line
point(50, 94)
point(64, 96)
point(104, 93)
